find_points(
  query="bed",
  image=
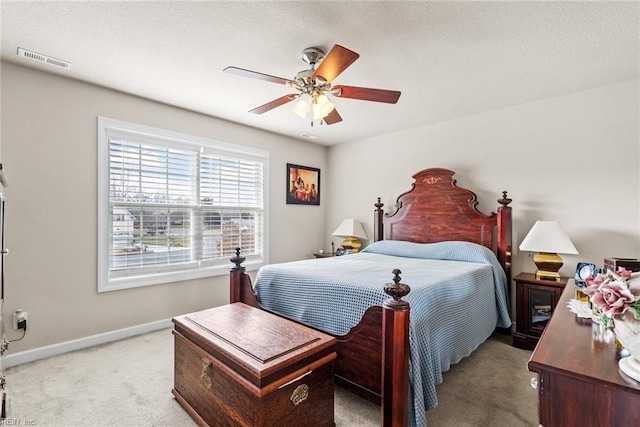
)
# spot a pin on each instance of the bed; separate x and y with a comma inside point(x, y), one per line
point(448, 267)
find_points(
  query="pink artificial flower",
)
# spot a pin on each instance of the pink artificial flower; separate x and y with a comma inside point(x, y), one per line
point(593, 284)
point(612, 298)
point(623, 272)
point(594, 280)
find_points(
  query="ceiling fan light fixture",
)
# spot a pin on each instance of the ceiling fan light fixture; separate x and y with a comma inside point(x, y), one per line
point(303, 106)
point(317, 113)
point(324, 106)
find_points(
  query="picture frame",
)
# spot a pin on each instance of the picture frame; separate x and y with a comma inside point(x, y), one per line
point(303, 185)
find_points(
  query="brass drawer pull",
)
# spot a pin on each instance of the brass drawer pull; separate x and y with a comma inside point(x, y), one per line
point(300, 394)
point(204, 375)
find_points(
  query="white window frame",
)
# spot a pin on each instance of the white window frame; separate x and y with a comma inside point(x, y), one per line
point(108, 127)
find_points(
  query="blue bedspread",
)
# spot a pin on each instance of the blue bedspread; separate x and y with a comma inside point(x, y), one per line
point(459, 294)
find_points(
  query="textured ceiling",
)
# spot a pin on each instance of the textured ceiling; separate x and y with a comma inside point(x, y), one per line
point(449, 59)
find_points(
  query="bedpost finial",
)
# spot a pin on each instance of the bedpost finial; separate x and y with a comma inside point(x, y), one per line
point(379, 204)
point(237, 260)
point(504, 201)
point(397, 290)
point(396, 275)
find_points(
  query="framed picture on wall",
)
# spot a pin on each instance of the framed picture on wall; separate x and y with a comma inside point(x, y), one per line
point(303, 185)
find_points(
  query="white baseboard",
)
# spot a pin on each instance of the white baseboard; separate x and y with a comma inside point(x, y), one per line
point(68, 346)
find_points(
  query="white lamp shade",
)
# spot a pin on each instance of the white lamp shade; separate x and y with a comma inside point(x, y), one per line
point(303, 106)
point(350, 227)
point(548, 236)
point(325, 105)
point(317, 111)
point(321, 107)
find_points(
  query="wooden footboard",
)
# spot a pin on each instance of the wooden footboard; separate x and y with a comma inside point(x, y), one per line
point(362, 347)
point(373, 358)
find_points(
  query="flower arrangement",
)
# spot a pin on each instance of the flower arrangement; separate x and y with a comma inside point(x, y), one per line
point(610, 295)
point(617, 294)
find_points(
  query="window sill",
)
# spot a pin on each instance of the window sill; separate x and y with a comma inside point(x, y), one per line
point(116, 284)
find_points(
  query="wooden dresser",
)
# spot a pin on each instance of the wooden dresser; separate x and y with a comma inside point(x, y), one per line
point(579, 383)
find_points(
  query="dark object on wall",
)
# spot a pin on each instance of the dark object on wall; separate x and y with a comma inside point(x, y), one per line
point(629, 263)
point(303, 185)
point(4, 344)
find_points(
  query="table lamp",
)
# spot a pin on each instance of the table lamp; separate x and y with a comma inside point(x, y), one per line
point(547, 239)
point(351, 230)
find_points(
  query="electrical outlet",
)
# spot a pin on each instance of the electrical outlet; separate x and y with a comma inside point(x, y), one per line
point(18, 316)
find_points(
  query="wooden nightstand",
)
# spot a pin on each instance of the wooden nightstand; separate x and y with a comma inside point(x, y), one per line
point(535, 302)
point(324, 254)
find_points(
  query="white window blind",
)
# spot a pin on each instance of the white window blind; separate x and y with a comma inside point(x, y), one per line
point(174, 206)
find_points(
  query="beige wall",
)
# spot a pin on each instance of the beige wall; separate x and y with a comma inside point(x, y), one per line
point(573, 158)
point(49, 152)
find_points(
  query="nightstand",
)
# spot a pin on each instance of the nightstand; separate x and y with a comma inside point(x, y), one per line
point(535, 302)
point(324, 254)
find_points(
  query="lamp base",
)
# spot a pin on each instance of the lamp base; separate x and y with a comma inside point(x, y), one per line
point(352, 244)
point(548, 266)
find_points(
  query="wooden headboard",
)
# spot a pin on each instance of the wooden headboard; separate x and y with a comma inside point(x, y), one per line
point(436, 210)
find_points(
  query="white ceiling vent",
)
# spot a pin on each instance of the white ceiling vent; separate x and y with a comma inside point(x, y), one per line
point(43, 58)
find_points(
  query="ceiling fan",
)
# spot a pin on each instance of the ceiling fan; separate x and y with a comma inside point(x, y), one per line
point(314, 85)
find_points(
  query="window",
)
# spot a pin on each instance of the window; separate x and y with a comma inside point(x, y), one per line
point(174, 207)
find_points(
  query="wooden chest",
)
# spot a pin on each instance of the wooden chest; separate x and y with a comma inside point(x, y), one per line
point(629, 263)
point(236, 365)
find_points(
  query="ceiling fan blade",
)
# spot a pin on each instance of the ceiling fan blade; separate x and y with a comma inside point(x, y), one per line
point(367, 94)
point(273, 104)
point(255, 75)
point(336, 61)
point(332, 117)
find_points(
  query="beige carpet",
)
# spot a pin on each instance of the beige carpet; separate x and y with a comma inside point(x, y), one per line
point(128, 383)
